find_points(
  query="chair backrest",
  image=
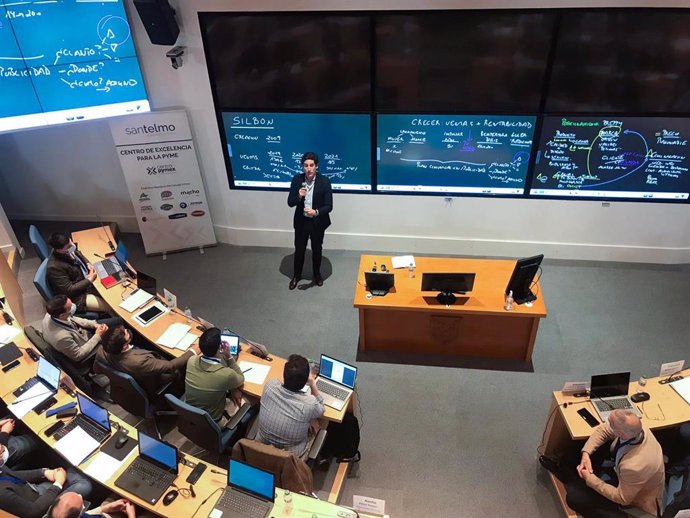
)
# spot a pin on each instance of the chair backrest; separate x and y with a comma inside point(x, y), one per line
point(41, 281)
point(77, 371)
point(290, 472)
point(40, 245)
point(196, 425)
point(126, 392)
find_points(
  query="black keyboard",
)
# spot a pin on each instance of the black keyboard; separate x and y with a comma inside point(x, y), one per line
point(612, 404)
point(332, 390)
point(30, 383)
point(82, 422)
point(111, 267)
point(152, 475)
point(243, 505)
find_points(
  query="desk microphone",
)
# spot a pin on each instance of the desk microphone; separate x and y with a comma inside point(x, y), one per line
point(673, 377)
point(107, 237)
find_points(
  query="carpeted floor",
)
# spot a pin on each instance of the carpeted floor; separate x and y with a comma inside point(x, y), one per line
point(437, 441)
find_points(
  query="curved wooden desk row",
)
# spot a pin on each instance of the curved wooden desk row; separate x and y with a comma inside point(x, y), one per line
point(408, 320)
point(664, 409)
point(208, 488)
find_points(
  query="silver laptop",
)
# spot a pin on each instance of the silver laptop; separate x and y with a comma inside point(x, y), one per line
point(336, 381)
point(250, 493)
point(609, 392)
point(115, 265)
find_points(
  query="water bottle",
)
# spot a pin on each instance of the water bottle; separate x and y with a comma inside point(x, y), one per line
point(509, 301)
point(410, 271)
point(373, 268)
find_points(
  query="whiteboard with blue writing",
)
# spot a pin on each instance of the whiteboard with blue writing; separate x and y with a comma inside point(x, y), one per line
point(613, 157)
point(265, 149)
point(473, 154)
point(64, 61)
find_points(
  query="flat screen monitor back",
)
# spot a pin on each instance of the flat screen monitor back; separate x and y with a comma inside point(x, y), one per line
point(380, 282)
point(521, 280)
point(447, 283)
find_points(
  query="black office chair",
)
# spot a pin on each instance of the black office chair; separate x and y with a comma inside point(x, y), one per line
point(126, 392)
point(198, 426)
point(79, 372)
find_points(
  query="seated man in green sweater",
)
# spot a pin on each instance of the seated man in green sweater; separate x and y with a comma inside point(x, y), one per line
point(213, 376)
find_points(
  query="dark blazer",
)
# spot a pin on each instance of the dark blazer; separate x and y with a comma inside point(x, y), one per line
point(66, 278)
point(150, 371)
point(20, 499)
point(322, 201)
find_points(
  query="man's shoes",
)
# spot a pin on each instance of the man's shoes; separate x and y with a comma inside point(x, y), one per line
point(293, 283)
point(551, 465)
point(318, 280)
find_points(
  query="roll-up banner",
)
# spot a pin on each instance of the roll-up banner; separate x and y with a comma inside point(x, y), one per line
point(161, 169)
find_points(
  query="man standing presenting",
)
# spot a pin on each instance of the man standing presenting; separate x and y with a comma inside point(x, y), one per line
point(312, 197)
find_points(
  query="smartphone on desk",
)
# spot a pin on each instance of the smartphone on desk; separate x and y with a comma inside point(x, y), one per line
point(587, 416)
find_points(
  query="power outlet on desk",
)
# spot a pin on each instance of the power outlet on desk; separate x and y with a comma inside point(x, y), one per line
point(606, 204)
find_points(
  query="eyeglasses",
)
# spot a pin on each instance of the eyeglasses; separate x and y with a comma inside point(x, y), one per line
point(647, 416)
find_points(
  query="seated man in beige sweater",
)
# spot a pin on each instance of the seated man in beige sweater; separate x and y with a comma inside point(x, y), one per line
point(635, 477)
point(213, 376)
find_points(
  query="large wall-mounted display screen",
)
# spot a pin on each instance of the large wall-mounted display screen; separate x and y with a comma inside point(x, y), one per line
point(480, 154)
point(66, 61)
point(265, 149)
point(613, 157)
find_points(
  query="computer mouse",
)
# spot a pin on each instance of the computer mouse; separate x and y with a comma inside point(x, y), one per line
point(121, 441)
point(169, 497)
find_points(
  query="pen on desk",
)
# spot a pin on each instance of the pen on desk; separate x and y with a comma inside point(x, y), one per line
point(245, 371)
point(94, 452)
point(217, 472)
point(100, 257)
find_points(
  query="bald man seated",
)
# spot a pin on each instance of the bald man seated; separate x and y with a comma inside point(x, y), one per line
point(629, 473)
point(71, 505)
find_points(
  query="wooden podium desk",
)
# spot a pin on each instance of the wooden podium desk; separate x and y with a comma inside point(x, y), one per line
point(664, 409)
point(94, 242)
point(411, 321)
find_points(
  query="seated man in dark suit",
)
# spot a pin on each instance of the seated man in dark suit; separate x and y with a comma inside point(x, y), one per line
point(148, 369)
point(14, 448)
point(69, 273)
point(29, 493)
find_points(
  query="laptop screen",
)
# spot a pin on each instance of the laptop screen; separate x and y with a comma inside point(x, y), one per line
point(49, 373)
point(121, 254)
point(338, 371)
point(146, 283)
point(254, 480)
point(160, 452)
point(96, 413)
point(607, 385)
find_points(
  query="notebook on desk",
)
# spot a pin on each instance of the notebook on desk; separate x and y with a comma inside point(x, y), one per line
point(609, 392)
point(152, 472)
point(114, 266)
point(336, 381)
point(250, 493)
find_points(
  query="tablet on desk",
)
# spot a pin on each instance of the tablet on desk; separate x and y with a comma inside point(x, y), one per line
point(233, 342)
point(151, 313)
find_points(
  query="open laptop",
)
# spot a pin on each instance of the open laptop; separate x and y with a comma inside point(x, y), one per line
point(609, 392)
point(114, 266)
point(48, 374)
point(250, 493)
point(152, 472)
point(92, 418)
point(336, 381)
point(147, 283)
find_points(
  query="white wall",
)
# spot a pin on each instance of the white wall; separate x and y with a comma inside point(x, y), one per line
point(72, 172)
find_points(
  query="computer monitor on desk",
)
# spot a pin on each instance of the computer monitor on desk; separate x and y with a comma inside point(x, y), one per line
point(379, 283)
point(521, 280)
point(447, 284)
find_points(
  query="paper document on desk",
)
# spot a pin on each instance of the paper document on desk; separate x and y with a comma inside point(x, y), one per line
point(403, 261)
point(136, 300)
point(76, 446)
point(29, 400)
point(186, 342)
point(254, 372)
point(103, 466)
point(683, 388)
point(7, 333)
point(173, 335)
